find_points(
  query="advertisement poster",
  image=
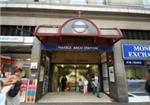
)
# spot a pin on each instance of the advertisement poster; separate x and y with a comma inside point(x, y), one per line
point(31, 91)
point(34, 65)
point(111, 74)
point(41, 74)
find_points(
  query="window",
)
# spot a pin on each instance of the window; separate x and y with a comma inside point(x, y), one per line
point(78, 2)
point(146, 3)
point(100, 2)
point(17, 30)
point(36, 0)
point(55, 1)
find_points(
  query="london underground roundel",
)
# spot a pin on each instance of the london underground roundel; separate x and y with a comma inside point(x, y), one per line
point(79, 27)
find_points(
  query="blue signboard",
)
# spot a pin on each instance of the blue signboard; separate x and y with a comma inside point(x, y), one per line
point(134, 62)
point(135, 51)
point(77, 48)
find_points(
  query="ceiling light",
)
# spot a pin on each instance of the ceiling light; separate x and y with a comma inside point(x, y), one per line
point(28, 59)
point(87, 66)
point(62, 66)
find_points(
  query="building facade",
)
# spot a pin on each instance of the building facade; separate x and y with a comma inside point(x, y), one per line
point(115, 46)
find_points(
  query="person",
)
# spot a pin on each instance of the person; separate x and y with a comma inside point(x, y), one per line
point(16, 81)
point(85, 86)
point(147, 83)
point(2, 95)
point(96, 86)
point(80, 85)
point(63, 83)
point(93, 85)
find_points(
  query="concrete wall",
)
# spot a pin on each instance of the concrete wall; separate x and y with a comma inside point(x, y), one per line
point(119, 88)
point(36, 57)
point(126, 2)
point(92, 2)
point(101, 22)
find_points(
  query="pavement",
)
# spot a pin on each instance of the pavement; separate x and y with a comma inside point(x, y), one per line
point(75, 98)
point(113, 103)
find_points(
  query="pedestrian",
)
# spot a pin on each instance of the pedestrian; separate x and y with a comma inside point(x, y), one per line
point(93, 85)
point(85, 86)
point(97, 86)
point(147, 83)
point(63, 83)
point(80, 85)
point(2, 95)
point(15, 92)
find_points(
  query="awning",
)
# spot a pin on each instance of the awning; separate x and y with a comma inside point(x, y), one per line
point(77, 31)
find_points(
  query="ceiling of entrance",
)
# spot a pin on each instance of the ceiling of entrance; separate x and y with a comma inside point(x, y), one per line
point(77, 66)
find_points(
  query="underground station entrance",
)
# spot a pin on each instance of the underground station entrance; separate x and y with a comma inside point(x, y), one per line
point(78, 50)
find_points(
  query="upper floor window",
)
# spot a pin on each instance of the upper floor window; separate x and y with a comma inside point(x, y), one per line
point(36, 0)
point(100, 2)
point(78, 2)
point(55, 1)
point(146, 3)
point(3, 0)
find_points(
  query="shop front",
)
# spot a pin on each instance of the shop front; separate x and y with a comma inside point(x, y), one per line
point(136, 59)
point(15, 52)
point(79, 50)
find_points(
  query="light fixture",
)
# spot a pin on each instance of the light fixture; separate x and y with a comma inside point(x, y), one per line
point(87, 66)
point(28, 59)
point(74, 66)
point(62, 66)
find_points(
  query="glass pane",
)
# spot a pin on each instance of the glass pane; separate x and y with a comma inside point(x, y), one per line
point(146, 3)
point(78, 2)
point(105, 78)
point(136, 78)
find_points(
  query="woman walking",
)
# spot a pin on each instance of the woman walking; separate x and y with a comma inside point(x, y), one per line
point(85, 86)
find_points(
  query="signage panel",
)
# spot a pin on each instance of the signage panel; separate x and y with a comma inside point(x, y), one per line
point(135, 51)
point(78, 48)
point(11, 39)
point(133, 62)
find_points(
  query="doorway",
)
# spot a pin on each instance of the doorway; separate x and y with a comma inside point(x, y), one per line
point(73, 73)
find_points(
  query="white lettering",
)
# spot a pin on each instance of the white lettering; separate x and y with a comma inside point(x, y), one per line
point(142, 48)
point(130, 54)
point(139, 54)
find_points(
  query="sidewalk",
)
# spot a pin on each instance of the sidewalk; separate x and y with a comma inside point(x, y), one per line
point(114, 103)
point(74, 97)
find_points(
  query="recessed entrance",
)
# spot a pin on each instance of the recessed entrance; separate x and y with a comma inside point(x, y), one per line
point(78, 49)
point(73, 73)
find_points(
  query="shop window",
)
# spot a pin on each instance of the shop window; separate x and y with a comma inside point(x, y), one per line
point(78, 2)
point(146, 3)
point(136, 78)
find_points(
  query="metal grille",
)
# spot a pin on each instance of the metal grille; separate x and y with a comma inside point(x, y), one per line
point(17, 30)
point(136, 34)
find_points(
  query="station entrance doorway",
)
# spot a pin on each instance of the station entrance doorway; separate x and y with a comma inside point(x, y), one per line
point(74, 74)
point(76, 66)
